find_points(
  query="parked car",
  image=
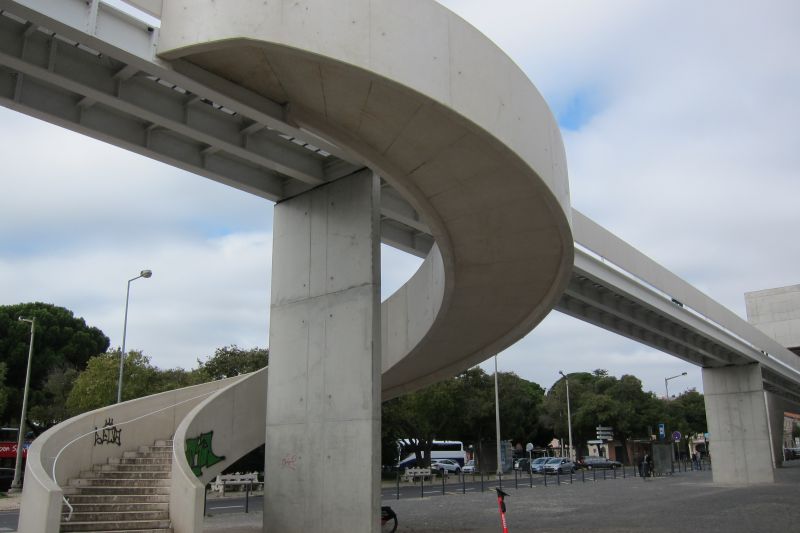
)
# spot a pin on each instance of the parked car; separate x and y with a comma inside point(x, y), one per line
point(537, 466)
point(469, 468)
point(560, 465)
point(522, 464)
point(446, 465)
point(590, 462)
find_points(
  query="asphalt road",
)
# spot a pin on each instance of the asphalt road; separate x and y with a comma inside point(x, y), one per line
point(9, 520)
point(686, 501)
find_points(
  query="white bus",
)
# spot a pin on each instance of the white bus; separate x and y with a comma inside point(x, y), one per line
point(440, 449)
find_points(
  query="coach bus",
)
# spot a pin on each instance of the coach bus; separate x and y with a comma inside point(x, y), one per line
point(440, 449)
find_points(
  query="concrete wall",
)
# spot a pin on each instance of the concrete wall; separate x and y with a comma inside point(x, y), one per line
point(776, 312)
point(65, 450)
point(236, 415)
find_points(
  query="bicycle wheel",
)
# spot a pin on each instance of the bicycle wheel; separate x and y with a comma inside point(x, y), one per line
point(388, 520)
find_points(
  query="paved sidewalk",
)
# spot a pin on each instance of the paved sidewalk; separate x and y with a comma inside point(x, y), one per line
point(687, 501)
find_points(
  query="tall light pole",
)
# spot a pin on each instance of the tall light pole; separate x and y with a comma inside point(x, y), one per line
point(569, 414)
point(16, 483)
point(142, 274)
point(497, 418)
point(666, 382)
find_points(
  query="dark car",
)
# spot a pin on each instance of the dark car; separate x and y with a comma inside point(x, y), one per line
point(598, 462)
point(6, 478)
point(522, 464)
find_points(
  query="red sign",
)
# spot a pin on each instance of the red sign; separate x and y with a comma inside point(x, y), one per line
point(9, 450)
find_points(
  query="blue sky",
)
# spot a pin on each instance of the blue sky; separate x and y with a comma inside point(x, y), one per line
point(679, 119)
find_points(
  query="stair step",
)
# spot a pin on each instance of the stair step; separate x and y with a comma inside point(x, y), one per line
point(159, 530)
point(134, 525)
point(88, 499)
point(136, 467)
point(126, 474)
point(144, 461)
point(120, 491)
point(119, 516)
point(151, 454)
point(118, 482)
point(105, 507)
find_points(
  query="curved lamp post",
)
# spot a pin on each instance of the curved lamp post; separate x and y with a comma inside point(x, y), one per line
point(142, 274)
point(569, 415)
point(16, 483)
point(666, 382)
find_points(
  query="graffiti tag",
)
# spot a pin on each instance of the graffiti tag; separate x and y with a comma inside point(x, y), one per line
point(290, 461)
point(199, 453)
point(109, 434)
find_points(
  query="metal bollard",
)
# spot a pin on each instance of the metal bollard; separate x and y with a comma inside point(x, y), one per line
point(594, 475)
point(247, 498)
point(443, 474)
point(570, 477)
point(544, 474)
point(463, 483)
point(421, 486)
point(500, 478)
point(398, 484)
point(604, 474)
point(583, 475)
point(558, 477)
point(615, 472)
point(516, 484)
point(205, 499)
point(481, 481)
point(530, 476)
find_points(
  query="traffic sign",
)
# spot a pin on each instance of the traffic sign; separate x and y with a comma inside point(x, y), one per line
point(676, 436)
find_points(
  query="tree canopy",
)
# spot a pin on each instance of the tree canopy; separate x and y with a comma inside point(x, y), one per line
point(62, 341)
point(96, 386)
point(230, 361)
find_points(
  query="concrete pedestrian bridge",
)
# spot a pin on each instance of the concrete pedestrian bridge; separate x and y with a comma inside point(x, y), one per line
point(366, 121)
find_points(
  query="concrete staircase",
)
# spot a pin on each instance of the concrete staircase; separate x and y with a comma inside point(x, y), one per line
point(129, 494)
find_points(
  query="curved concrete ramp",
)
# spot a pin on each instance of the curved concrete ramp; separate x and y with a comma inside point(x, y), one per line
point(448, 120)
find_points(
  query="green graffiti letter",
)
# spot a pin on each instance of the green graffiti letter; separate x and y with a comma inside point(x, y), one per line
point(199, 453)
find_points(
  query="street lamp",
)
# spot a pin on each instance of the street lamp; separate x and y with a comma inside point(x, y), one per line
point(497, 418)
point(569, 415)
point(666, 382)
point(16, 484)
point(142, 274)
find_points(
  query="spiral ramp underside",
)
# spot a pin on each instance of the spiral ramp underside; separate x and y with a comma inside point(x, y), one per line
point(449, 123)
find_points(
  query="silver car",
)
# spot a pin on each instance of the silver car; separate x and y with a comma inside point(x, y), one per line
point(537, 466)
point(446, 465)
point(559, 465)
point(469, 468)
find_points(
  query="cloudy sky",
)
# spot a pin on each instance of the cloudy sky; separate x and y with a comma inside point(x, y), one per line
point(680, 121)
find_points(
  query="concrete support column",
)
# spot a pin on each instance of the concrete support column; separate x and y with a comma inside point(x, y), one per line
point(323, 400)
point(736, 411)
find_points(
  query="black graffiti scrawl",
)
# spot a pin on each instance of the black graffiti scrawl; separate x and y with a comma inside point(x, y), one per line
point(109, 434)
point(199, 453)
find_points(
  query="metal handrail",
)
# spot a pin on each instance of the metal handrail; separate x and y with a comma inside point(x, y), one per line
point(55, 461)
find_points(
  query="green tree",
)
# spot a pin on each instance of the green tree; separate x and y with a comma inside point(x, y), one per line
point(462, 408)
point(232, 361)
point(3, 389)
point(62, 341)
point(49, 404)
point(96, 386)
